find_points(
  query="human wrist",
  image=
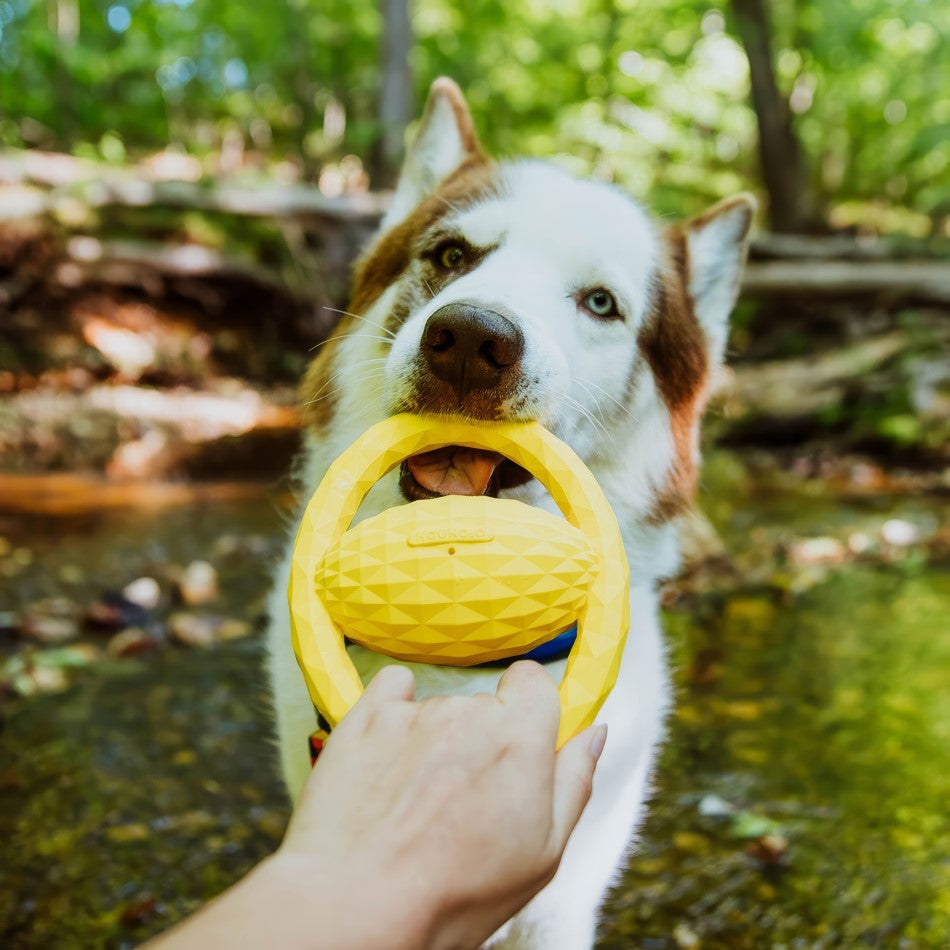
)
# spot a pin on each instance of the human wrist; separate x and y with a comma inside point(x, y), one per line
point(349, 908)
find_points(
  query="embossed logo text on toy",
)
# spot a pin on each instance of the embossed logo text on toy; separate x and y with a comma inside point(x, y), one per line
point(448, 535)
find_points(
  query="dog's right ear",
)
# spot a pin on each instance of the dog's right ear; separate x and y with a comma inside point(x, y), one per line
point(445, 140)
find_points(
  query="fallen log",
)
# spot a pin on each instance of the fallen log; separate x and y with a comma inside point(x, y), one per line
point(912, 279)
point(768, 245)
point(98, 185)
point(842, 391)
point(805, 386)
point(122, 262)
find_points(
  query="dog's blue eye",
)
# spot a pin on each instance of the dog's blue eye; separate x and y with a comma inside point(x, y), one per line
point(601, 303)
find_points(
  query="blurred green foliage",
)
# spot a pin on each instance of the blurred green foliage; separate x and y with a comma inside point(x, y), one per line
point(654, 96)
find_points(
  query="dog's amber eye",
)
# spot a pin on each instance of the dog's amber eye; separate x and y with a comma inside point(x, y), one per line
point(601, 303)
point(451, 256)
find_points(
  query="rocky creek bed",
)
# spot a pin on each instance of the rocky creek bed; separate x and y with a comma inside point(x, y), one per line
point(800, 800)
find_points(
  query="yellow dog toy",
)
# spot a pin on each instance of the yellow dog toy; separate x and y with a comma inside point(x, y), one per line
point(459, 579)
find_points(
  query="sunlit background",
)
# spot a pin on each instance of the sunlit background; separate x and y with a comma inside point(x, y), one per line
point(184, 185)
point(653, 95)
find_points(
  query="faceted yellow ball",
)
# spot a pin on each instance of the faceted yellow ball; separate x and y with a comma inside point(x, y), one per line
point(458, 580)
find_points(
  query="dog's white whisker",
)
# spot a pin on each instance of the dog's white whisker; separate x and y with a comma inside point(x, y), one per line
point(596, 408)
point(317, 346)
point(320, 394)
point(584, 411)
point(449, 204)
point(356, 316)
point(586, 383)
point(369, 336)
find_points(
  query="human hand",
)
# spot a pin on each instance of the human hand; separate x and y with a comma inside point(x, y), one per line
point(429, 824)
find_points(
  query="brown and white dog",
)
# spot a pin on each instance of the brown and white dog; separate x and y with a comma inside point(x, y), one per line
point(515, 291)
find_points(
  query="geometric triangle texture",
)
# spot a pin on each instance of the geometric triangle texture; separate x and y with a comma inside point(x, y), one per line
point(457, 580)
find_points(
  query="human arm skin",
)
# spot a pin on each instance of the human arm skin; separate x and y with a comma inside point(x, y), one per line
point(424, 826)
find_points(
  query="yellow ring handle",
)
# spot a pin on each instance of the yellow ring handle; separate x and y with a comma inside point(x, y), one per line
point(594, 661)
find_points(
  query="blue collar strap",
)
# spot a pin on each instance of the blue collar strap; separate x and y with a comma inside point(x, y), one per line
point(552, 649)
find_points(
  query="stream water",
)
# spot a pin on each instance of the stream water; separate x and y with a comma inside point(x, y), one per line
point(801, 800)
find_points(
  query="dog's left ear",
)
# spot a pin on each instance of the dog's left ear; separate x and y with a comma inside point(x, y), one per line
point(716, 244)
point(444, 140)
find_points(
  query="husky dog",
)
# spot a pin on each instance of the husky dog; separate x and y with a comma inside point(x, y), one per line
point(515, 291)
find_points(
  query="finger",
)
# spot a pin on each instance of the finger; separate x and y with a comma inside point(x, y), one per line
point(573, 779)
point(527, 684)
point(391, 684)
point(529, 693)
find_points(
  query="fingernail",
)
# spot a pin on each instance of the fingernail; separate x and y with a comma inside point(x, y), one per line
point(597, 741)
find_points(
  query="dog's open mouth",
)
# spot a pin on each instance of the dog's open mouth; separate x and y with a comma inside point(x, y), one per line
point(458, 470)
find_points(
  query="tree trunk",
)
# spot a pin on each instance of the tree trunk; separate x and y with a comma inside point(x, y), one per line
point(784, 174)
point(63, 19)
point(395, 94)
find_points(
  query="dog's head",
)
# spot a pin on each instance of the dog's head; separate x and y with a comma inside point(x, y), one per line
point(515, 291)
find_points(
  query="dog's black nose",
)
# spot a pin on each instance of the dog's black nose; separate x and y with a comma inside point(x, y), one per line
point(471, 348)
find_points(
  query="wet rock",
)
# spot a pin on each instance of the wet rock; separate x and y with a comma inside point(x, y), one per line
point(44, 671)
point(747, 710)
point(770, 850)
point(38, 679)
point(200, 631)
point(860, 542)
point(54, 620)
point(192, 630)
point(133, 641)
point(198, 583)
point(686, 938)
point(12, 779)
point(750, 613)
point(121, 834)
point(822, 550)
point(900, 533)
point(148, 457)
point(748, 824)
point(71, 574)
point(714, 806)
point(144, 591)
point(691, 842)
point(651, 866)
point(139, 912)
point(115, 612)
point(242, 545)
point(233, 629)
point(189, 822)
point(706, 668)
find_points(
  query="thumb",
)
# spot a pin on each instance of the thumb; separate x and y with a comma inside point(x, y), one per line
point(573, 780)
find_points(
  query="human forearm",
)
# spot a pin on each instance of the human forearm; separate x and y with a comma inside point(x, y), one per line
point(291, 902)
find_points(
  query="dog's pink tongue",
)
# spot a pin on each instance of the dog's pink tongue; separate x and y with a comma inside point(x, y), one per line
point(454, 470)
